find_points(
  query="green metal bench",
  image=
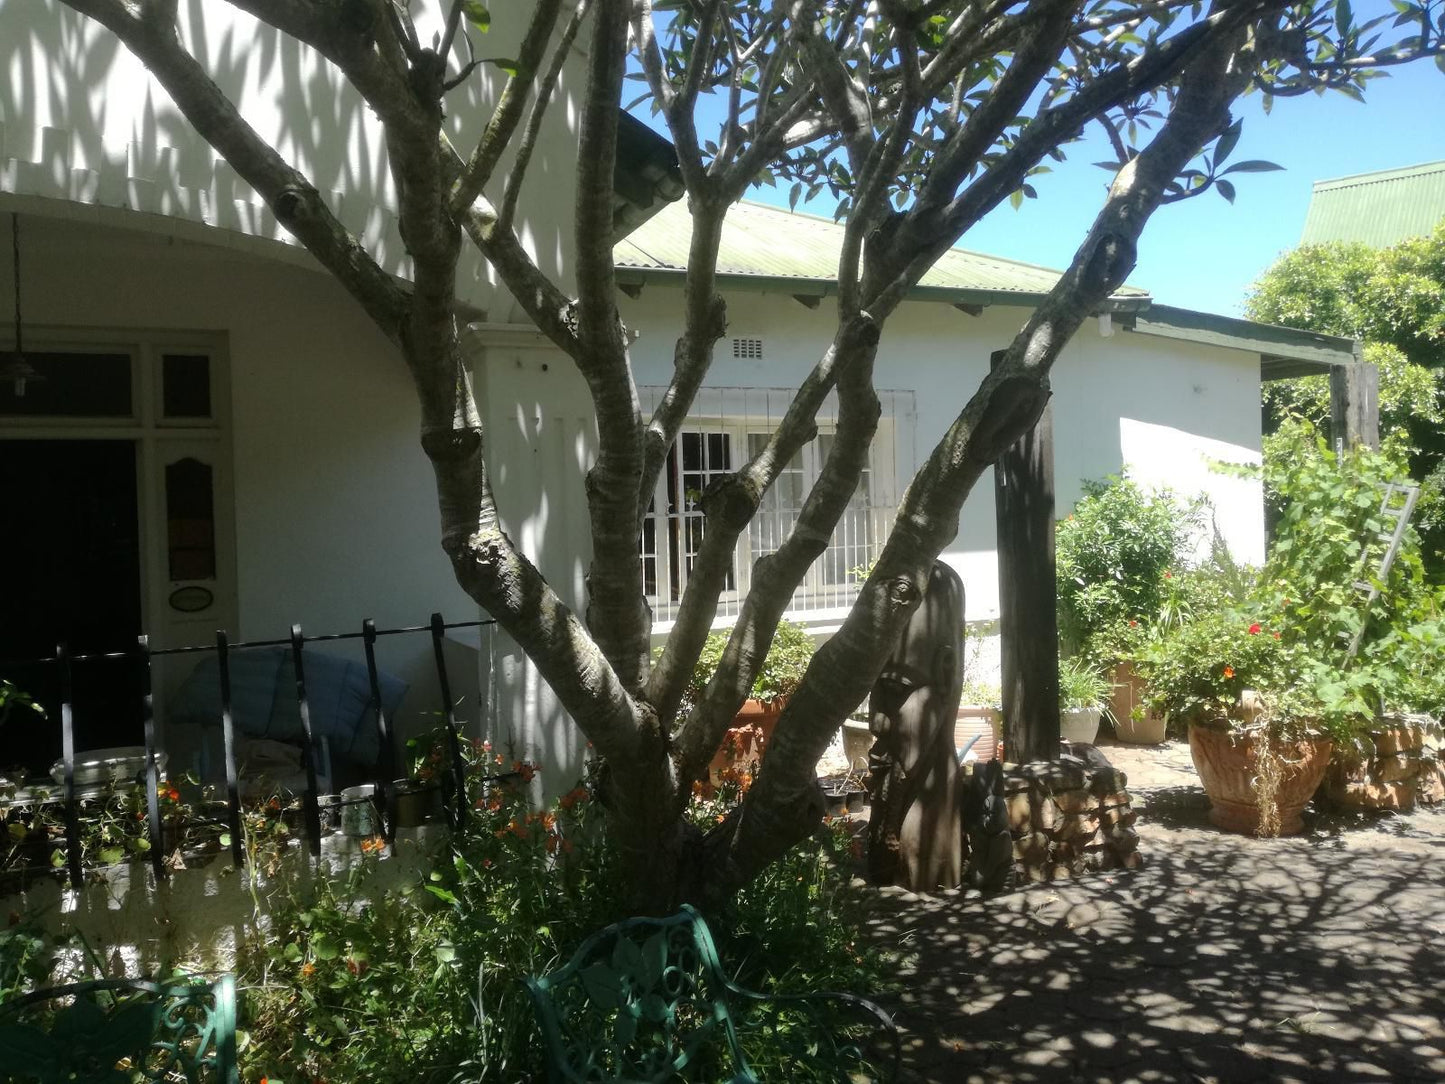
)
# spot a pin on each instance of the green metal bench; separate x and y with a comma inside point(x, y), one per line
point(115, 1031)
point(645, 1000)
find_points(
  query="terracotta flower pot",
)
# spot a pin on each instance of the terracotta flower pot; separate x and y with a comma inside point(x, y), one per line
point(1134, 723)
point(741, 745)
point(1225, 759)
point(977, 721)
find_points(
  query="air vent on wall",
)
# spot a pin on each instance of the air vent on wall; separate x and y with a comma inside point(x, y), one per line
point(747, 348)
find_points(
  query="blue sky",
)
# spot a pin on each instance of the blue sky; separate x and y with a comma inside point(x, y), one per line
point(1204, 253)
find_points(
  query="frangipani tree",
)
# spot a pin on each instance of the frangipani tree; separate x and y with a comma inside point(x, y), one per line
point(919, 116)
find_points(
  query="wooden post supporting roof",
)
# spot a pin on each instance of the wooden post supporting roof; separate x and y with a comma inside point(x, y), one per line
point(1355, 405)
point(1027, 589)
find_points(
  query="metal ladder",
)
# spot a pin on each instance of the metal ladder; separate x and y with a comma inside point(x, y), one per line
point(1397, 505)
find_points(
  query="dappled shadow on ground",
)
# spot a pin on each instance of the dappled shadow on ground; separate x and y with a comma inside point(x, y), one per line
point(1318, 958)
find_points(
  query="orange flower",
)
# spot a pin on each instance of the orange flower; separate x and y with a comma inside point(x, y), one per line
point(1229, 671)
point(1276, 636)
point(308, 969)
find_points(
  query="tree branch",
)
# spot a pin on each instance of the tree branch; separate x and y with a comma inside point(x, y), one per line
point(512, 189)
point(784, 800)
point(509, 110)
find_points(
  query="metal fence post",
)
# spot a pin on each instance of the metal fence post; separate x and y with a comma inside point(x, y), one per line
point(67, 752)
point(153, 800)
point(459, 766)
point(310, 804)
point(386, 751)
point(228, 747)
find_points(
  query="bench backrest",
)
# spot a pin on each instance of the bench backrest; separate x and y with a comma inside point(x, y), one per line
point(82, 1033)
point(640, 1001)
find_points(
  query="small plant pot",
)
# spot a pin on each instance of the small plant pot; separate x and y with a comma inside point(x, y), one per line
point(417, 803)
point(855, 800)
point(836, 801)
point(1079, 725)
point(1134, 723)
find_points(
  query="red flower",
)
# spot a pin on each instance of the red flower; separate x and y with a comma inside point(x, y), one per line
point(1276, 636)
point(1255, 629)
point(1168, 575)
point(1229, 671)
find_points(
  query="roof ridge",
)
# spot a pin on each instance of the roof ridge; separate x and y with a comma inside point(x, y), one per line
point(1419, 169)
point(951, 248)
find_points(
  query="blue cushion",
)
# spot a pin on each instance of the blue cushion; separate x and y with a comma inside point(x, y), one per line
point(338, 693)
point(253, 691)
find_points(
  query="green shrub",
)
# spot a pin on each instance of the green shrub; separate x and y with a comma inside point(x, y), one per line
point(783, 668)
point(1115, 552)
point(1081, 685)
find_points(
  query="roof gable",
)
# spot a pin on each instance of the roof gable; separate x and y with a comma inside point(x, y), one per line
point(1378, 209)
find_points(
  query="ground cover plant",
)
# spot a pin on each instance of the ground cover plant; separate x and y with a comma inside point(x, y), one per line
point(919, 119)
point(421, 981)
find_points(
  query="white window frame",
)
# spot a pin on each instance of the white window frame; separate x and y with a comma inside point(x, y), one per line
point(823, 590)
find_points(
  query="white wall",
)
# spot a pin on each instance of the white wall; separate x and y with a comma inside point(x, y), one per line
point(80, 119)
point(336, 516)
point(1159, 407)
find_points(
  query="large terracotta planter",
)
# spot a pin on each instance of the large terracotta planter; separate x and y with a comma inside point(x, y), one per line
point(1134, 723)
point(742, 745)
point(1225, 760)
point(981, 722)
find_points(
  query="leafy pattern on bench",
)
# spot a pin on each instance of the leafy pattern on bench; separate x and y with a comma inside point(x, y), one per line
point(115, 1031)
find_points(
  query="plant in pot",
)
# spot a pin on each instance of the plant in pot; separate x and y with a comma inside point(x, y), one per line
point(783, 668)
point(1120, 556)
point(428, 770)
point(1082, 694)
point(1260, 715)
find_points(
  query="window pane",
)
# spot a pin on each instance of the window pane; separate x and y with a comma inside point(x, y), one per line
point(186, 386)
point(190, 520)
point(61, 384)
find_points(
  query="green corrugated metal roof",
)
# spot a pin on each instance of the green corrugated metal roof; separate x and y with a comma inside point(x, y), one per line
point(785, 248)
point(1378, 209)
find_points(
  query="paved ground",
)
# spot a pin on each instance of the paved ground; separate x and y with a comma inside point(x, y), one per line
point(1318, 958)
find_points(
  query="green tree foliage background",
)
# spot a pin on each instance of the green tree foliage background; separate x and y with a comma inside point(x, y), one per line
point(1394, 299)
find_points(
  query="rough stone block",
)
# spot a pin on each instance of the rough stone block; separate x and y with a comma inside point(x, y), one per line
point(1119, 814)
point(1108, 782)
point(1114, 799)
point(1052, 776)
point(1399, 795)
point(1401, 739)
point(1032, 848)
point(1132, 860)
point(1430, 783)
point(1020, 812)
point(1398, 766)
point(1078, 828)
point(1074, 801)
point(1045, 813)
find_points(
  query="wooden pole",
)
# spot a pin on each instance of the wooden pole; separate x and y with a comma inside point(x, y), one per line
point(1028, 620)
point(1355, 404)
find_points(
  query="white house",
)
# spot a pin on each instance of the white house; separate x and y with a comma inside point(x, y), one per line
point(212, 435)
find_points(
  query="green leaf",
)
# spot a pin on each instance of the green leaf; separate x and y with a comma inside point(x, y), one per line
point(111, 856)
point(1252, 165)
point(442, 894)
point(1016, 198)
point(325, 948)
point(477, 14)
point(1227, 141)
point(1225, 189)
point(446, 952)
point(291, 953)
point(604, 986)
point(505, 63)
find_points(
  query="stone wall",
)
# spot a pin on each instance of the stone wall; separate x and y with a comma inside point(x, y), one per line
point(1400, 763)
point(1068, 818)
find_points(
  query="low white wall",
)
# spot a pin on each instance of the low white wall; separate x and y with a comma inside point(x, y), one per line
point(198, 916)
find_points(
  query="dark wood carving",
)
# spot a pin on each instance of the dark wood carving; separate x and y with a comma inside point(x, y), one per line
point(914, 829)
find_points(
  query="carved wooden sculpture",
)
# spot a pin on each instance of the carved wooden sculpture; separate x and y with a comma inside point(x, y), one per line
point(985, 818)
point(915, 829)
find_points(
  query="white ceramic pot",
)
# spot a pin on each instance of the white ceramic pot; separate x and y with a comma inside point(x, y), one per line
point(1080, 725)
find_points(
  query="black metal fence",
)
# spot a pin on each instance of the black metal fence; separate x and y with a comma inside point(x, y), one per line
point(384, 797)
